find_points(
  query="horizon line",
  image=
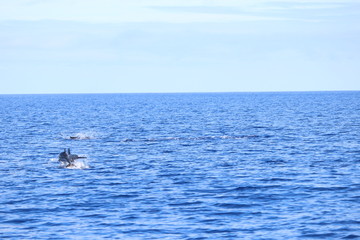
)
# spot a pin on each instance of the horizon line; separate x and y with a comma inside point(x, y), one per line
point(195, 92)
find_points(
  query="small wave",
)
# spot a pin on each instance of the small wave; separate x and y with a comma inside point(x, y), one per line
point(234, 205)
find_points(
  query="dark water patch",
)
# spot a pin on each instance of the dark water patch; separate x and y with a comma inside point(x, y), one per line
point(168, 151)
point(326, 189)
point(319, 235)
point(34, 210)
point(253, 188)
point(169, 175)
point(235, 205)
point(276, 179)
point(95, 216)
point(348, 222)
point(125, 196)
point(129, 217)
point(211, 150)
point(181, 182)
point(351, 236)
point(18, 221)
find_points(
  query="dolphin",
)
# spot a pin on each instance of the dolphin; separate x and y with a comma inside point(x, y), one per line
point(67, 158)
point(79, 137)
point(64, 158)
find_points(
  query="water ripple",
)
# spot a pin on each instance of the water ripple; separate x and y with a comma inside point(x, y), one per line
point(186, 166)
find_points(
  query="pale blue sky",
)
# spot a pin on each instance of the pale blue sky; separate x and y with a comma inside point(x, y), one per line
point(118, 46)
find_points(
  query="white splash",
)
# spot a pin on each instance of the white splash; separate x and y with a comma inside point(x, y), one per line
point(80, 136)
point(81, 163)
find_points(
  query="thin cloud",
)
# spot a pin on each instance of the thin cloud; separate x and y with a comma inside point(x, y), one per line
point(265, 10)
point(113, 11)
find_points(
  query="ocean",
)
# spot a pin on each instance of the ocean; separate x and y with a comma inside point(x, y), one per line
point(181, 166)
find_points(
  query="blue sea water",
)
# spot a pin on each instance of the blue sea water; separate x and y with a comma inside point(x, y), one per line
point(181, 166)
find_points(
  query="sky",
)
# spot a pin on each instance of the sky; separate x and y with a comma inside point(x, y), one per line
point(140, 46)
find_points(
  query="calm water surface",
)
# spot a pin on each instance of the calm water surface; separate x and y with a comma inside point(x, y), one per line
point(181, 166)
